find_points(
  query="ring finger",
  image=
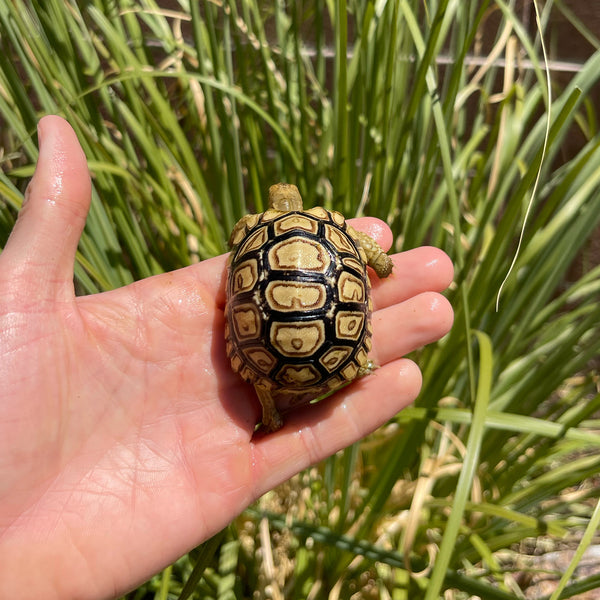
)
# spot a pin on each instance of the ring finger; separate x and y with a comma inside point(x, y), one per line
point(404, 327)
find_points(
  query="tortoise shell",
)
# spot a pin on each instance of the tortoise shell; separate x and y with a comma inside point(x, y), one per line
point(298, 308)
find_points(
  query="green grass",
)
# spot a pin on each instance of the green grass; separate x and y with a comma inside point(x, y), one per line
point(187, 116)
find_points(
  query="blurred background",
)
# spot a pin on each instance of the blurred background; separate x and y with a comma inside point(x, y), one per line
point(437, 116)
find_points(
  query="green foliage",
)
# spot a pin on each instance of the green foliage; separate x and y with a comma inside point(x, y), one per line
point(188, 115)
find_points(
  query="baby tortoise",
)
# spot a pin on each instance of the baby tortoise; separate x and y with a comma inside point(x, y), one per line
point(298, 312)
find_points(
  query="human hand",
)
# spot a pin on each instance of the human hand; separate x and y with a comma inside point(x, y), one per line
point(125, 438)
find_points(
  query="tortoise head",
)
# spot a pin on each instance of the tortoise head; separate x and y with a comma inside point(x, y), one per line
point(285, 197)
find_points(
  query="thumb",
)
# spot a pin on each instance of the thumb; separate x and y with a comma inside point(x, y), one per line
point(40, 252)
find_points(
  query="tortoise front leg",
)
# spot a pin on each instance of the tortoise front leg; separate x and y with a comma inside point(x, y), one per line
point(381, 263)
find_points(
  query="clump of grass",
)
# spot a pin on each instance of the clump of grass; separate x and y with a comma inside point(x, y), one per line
point(187, 116)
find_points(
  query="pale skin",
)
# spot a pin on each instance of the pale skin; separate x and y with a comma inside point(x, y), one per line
point(125, 438)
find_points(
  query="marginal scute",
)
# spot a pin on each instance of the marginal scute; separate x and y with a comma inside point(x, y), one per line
point(361, 357)
point(237, 235)
point(236, 362)
point(261, 358)
point(251, 221)
point(245, 276)
point(247, 373)
point(270, 215)
point(246, 321)
point(319, 212)
point(349, 372)
point(338, 218)
point(333, 383)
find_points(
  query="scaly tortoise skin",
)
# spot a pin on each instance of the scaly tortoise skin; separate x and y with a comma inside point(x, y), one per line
point(298, 312)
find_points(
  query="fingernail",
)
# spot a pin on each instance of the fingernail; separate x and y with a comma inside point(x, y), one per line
point(28, 190)
point(39, 134)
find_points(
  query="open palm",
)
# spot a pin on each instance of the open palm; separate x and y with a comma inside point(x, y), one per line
point(125, 438)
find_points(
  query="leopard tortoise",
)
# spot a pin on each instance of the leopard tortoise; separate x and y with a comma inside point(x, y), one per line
point(298, 311)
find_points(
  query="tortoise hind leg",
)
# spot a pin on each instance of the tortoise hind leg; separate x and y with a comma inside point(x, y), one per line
point(380, 262)
point(271, 418)
point(367, 368)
